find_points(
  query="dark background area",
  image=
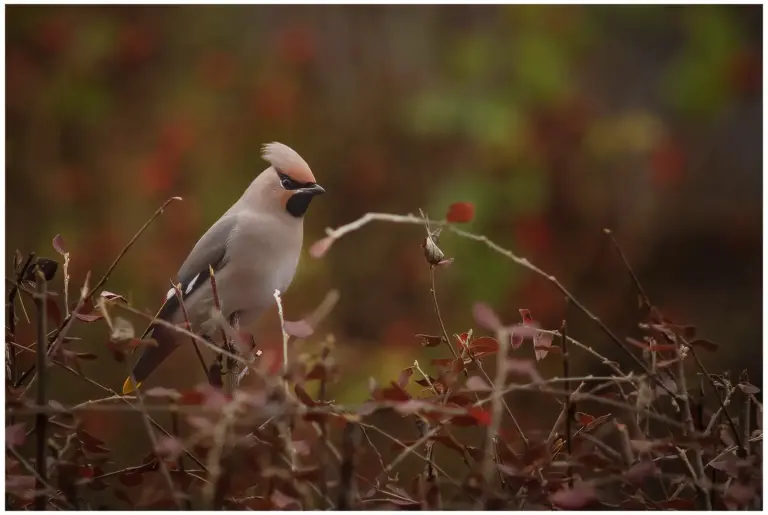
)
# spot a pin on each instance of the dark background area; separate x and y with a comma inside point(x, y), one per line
point(555, 122)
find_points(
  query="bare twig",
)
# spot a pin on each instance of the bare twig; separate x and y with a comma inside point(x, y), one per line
point(41, 420)
point(153, 440)
point(335, 234)
point(493, 427)
point(647, 303)
point(87, 295)
point(180, 297)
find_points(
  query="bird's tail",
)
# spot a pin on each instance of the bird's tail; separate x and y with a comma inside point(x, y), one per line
point(152, 356)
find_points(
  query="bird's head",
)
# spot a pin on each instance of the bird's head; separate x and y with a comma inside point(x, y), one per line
point(288, 184)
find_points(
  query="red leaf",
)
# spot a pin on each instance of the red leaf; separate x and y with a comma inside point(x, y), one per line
point(58, 244)
point(299, 329)
point(192, 398)
point(484, 345)
point(15, 435)
point(395, 393)
point(584, 418)
point(573, 498)
point(460, 212)
point(320, 247)
point(463, 339)
point(527, 318)
point(486, 317)
point(430, 341)
point(475, 416)
point(516, 340)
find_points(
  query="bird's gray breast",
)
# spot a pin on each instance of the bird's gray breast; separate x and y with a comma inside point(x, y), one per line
point(263, 254)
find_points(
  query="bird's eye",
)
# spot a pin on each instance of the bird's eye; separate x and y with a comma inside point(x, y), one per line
point(286, 182)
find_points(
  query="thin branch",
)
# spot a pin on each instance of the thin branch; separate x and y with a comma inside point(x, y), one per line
point(38, 478)
point(180, 297)
point(493, 427)
point(335, 234)
point(41, 420)
point(57, 334)
point(647, 303)
point(153, 441)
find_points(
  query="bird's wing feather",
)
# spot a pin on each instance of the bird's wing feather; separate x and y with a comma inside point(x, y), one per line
point(210, 251)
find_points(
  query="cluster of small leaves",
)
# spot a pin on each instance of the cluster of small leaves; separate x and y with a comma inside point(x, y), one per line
point(623, 442)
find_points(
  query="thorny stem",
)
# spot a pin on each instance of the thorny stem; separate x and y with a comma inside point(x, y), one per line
point(41, 420)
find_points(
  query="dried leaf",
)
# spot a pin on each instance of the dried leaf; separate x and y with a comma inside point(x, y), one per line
point(541, 343)
point(405, 376)
point(109, 296)
point(486, 317)
point(749, 388)
point(430, 341)
point(460, 212)
point(122, 330)
point(59, 246)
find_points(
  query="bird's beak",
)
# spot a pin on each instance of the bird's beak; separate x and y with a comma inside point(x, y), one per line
point(315, 189)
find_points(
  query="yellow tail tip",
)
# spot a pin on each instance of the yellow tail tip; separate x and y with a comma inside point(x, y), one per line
point(130, 386)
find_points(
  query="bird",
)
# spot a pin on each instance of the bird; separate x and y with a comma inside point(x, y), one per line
point(253, 250)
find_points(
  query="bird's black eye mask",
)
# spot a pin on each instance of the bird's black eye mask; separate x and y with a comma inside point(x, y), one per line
point(291, 184)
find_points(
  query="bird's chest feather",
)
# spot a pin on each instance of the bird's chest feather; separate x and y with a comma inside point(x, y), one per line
point(268, 255)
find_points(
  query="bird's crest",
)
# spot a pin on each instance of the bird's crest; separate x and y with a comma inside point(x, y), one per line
point(288, 161)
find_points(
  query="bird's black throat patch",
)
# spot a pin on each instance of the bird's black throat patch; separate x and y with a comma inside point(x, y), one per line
point(298, 204)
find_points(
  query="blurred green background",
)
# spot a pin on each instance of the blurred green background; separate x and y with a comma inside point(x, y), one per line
point(554, 121)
